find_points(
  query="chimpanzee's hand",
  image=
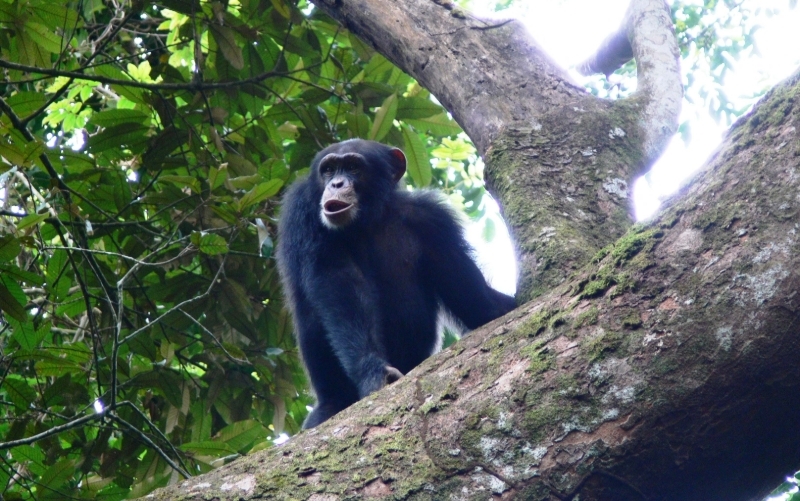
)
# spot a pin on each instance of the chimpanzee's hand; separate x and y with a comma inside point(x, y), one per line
point(391, 375)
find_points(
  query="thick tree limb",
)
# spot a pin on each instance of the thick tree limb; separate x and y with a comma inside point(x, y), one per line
point(612, 55)
point(658, 74)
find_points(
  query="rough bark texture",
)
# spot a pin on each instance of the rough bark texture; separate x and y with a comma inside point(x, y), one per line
point(664, 370)
point(559, 159)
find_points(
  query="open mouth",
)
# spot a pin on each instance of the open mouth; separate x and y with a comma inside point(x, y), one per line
point(336, 206)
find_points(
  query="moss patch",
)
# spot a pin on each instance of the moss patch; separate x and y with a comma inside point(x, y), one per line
point(631, 252)
point(632, 320)
point(596, 348)
point(588, 317)
point(539, 420)
point(540, 356)
point(536, 323)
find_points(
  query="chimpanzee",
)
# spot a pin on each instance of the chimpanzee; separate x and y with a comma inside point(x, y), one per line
point(367, 268)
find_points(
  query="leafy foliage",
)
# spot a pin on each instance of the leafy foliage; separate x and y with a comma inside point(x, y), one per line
point(143, 149)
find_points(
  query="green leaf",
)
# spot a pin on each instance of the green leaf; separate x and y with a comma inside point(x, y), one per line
point(240, 166)
point(9, 248)
point(24, 103)
point(31, 220)
point(45, 37)
point(118, 136)
point(32, 151)
point(260, 193)
point(23, 276)
point(13, 154)
point(209, 448)
point(109, 491)
point(417, 107)
point(76, 162)
point(32, 456)
point(18, 391)
point(132, 93)
point(281, 8)
point(76, 354)
point(167, 141)
point(454, 149)
point(188, 181)
point(28, 337)
point(241, 434)
point(418, 164)
point(72, 306)
point(55, 15)
point(38, 336)
point(8, 12)
point(209, 243)
point(438, 125)
point(377, 67)
point(245, 182)
point(384, 118)
point(58, 283)
point(30, 52)
point(201, 429)
point(12, 299)
point(58, 367)
point(358, 124)
point(216, 177)
point(226, 41)
point(56, 475)
point(109, 118)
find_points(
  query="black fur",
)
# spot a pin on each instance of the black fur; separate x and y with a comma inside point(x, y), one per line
point(366, 296)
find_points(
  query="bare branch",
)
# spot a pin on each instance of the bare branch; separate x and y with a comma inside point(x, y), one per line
point(76, 423)
point(193, 86)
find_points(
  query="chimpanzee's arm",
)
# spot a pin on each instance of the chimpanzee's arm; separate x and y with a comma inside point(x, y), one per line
point(455, 277)
point(348, 309)
point(333, 387)
point(464, 291)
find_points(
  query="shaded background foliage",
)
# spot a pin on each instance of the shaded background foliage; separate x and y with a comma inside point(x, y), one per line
point(143, 150)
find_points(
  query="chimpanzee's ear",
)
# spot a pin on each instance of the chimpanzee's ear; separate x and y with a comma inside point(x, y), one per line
point(398, 163)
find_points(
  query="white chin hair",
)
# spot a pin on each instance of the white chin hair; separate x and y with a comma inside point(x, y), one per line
point(333, 226)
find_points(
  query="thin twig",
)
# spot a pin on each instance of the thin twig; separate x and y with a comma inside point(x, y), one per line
point(152, 445)
point(52, 431)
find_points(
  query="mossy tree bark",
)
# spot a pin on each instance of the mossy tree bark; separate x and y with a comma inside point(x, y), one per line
point(662, 366)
